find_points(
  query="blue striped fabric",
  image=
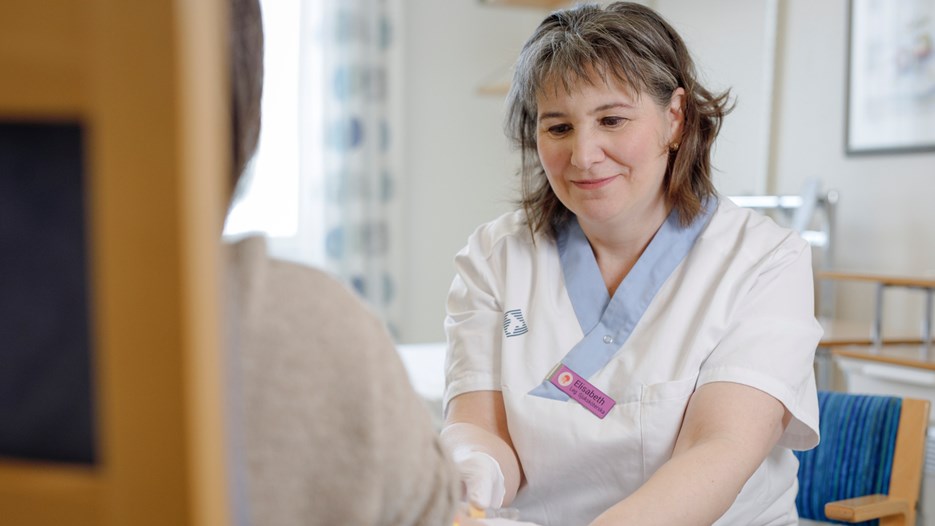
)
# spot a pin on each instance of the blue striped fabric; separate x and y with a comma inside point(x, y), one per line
point(855, 456)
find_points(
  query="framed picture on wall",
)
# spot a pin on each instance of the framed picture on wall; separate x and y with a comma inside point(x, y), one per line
point(890, 76)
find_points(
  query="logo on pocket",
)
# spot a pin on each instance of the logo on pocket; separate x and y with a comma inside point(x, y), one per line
point(513, 323)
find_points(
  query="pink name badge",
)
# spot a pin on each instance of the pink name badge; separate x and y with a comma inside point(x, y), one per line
point(581, 391)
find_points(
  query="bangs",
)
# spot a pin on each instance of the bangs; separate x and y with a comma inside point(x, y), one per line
point(566, 62)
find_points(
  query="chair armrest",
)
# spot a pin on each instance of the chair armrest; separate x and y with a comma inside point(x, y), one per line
point(866, 508)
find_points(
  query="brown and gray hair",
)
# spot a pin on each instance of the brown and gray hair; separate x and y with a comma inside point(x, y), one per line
point(631, 44)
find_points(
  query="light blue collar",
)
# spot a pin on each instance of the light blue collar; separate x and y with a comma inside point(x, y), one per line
point(607, 322)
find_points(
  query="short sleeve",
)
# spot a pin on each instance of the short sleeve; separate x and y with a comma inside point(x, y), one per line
point(472, 321)
point(771, 340)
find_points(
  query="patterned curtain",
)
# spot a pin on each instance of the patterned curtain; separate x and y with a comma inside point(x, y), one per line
point(348, 159)
point(322, 185)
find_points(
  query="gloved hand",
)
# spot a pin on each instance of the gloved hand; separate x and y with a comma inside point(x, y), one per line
point(482, 478)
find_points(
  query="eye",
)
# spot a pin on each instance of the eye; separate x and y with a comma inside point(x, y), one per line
point(558, 129)
point(613, 121)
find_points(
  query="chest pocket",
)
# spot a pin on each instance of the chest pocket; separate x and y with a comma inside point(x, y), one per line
point(662, 408)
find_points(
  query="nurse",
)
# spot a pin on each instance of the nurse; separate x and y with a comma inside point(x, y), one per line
point(628, 347)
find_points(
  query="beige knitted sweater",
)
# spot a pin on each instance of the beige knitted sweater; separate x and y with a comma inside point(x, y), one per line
point(332, 431)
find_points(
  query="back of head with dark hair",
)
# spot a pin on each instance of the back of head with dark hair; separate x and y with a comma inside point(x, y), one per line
point(246, 70)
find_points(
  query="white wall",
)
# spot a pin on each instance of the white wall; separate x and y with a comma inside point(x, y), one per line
point(736, 58)
point(886, 214)
point(459, 171)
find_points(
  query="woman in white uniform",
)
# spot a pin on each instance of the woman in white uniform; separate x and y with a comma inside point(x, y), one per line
point(628, 347)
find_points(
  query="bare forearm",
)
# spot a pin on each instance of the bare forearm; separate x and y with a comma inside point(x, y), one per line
point(693, 488)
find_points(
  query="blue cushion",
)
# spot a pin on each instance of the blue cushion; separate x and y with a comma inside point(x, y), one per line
point(855, 456)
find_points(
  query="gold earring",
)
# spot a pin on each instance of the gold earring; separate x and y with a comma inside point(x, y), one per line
point(674, 147)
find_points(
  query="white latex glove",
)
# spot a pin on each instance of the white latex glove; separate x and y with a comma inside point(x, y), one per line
point(482, 478)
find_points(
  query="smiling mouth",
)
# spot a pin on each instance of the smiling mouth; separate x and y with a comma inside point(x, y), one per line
point(592, 184)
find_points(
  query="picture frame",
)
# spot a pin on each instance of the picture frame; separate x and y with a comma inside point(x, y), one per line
point(890, 95)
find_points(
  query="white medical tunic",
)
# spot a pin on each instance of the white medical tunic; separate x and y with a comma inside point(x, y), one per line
point(738, 307)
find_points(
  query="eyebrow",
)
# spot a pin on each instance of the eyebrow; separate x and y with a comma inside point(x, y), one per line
point(602, 107)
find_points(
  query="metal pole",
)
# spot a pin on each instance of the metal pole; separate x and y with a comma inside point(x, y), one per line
point(927, 322)
point(876, 334)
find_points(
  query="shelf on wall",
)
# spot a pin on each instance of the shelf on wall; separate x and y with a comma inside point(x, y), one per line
point(501, 86)
point(498, 83)
point(498, 89)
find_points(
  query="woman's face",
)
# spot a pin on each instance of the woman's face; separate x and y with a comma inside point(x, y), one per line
point(605, 149)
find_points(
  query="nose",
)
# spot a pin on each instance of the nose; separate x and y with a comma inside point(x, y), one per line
point(587, 151)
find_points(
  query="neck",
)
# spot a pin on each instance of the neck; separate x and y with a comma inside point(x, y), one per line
point(618, 247)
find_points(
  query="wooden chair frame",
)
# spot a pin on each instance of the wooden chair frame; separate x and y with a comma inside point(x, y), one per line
point(899, 507)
